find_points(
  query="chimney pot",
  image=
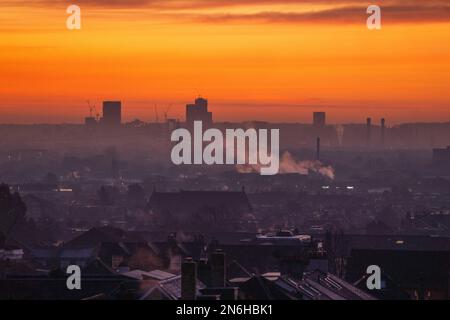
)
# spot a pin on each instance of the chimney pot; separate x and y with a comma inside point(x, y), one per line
point(188, 279)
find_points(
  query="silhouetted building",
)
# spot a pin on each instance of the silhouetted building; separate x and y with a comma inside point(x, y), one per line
point(200, 210)
point(369, 131)
point(90, 121)
point(198, 112)
point(318, 149)
point(383, 131)
point(112, 113)
point(319, 119)
point(315, 285)
point(441, 156)
point(113, 246)
point(421, 274)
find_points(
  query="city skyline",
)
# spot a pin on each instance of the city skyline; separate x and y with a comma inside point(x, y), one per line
point(94, 114)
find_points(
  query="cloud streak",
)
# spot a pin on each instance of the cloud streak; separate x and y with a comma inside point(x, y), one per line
point(192, 4)
point(339, 15)
point(337, 11)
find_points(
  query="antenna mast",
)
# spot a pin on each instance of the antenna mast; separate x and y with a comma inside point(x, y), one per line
point(156, 114)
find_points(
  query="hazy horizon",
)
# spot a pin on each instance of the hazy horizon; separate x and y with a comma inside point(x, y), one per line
point(300, 113)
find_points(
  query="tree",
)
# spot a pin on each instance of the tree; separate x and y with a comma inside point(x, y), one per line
point(107, 195)
point(378, 227)
point(136, 195)
point(50, 178)
point(48, 228)
point(12, 210)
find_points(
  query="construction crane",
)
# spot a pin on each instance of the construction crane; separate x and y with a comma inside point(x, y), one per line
point(91, 108)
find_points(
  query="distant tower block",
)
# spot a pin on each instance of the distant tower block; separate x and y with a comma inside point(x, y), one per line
point(319, 119)
point(318, 149)
point(112, 113)
point(383, 131)
point(198, 112)
point(369, 131)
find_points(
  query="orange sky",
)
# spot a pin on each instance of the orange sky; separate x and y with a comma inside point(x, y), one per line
point(265, 60)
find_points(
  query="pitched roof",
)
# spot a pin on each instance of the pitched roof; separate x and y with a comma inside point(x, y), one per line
point(78, 253)
point(193, 200)
point(99, 267)
point(236, 270)
point(169, 289)
point(398, 242)
point(315, 285)
point(100, 235)
point(144, 275)
point(262, 288)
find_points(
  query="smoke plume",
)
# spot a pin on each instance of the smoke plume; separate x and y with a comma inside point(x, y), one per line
point(290, 165)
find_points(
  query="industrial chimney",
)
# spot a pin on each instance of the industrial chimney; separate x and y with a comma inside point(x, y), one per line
point(218, 269)
point(369, 131)
point(383, 131)
point(318, 149)
point(188, 279)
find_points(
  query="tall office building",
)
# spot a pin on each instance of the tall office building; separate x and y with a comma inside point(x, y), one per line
point(112, 113)
point(319, 119)
point(198, 112)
